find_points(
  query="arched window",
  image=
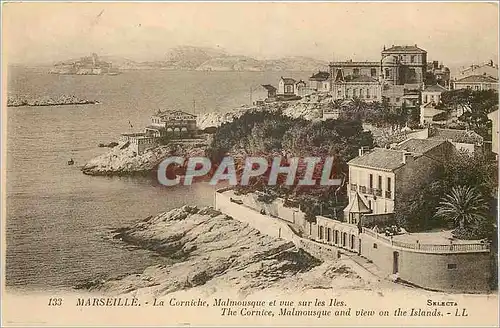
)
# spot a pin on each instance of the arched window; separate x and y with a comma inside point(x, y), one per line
point(387, 73)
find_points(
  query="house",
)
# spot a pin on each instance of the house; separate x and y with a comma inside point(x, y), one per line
point(271, 91)
point(286, 86)
point(331, 112)
point(379, 177)
point(301, 88)
point(489, 68)
point(139, 142)
point(320, 81)
point(429, 113)
point(467, 140)
point(432, 93)
point(397, 77)
point(360, 86)
point(493, 116)
point(172, 123)
point(476, 83)
point(440, 73)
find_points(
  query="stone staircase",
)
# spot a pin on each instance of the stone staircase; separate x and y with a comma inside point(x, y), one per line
point(366, 264)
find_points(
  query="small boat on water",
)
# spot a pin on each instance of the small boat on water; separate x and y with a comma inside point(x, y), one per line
point(71, 162)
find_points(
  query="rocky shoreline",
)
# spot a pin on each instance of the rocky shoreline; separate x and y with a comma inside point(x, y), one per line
point(121, 160)
point(212, 252)
point(19, 101)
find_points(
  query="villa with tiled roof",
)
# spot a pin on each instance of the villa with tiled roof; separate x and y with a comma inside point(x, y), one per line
point(380, 176)
point(476, 83)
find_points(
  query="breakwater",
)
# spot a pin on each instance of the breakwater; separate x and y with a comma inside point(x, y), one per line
point(18, 101)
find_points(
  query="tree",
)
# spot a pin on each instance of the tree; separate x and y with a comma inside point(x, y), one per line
point(415, 210)
point(475, 105)
point(465, 207)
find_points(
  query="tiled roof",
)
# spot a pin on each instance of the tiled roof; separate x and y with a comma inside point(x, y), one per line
point(435, 88)
point(380, 158)
point(320, 76)
point(288, 80)
point(430, 111)
point(169, 114)
point(351, 63)
point(477, 78)
point(404, 49)
point(418, 146)
point(462, 136)
point(269, 87)
point(362, 78)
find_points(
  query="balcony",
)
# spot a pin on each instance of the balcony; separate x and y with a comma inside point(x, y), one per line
point(388, 194)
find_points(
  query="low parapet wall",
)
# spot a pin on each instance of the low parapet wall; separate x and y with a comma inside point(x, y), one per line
point(444, 271)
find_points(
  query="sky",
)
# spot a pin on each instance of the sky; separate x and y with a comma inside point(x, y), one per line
point(455, 33)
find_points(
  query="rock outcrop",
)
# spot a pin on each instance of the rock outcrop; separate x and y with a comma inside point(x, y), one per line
point(18, 101)
point(123, 160)
point(214, 252)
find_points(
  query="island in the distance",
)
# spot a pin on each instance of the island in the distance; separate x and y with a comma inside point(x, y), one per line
point(90, 65)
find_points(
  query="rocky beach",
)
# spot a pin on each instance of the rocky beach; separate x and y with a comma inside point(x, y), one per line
point(213, 252)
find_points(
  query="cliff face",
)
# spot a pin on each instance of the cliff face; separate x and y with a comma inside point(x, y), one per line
point(309, 110)
point(214, 252)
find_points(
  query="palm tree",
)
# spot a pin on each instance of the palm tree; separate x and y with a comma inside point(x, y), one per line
point(464, 206)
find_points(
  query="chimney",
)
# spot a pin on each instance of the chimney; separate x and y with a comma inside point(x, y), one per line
point(363, 150)
point(406, 157)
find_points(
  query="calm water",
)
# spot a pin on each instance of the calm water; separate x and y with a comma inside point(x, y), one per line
point(58, 219)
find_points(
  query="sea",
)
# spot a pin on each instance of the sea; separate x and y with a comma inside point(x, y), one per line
point(59, 221)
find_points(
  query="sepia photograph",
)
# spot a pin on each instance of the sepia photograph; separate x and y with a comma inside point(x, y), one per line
point(250, 164)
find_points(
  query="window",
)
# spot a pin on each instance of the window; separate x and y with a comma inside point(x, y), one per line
point(387, 73)
point(328, 234)
point(320, 232)
point(452, 266)
point(476, 87)
point(379, 183)
point(425, 98)
point(355, 71)
point(412, 59)
point(370, 204)
point(373, 72)
point(389, 182)
point(371, 181)
point(398, 99)
point(374, 245)
point(367, 93)
point(354, 92)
